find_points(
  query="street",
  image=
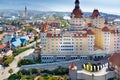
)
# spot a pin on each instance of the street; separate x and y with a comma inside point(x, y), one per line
point(4, 74)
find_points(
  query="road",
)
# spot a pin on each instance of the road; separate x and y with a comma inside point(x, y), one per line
point(4, 72)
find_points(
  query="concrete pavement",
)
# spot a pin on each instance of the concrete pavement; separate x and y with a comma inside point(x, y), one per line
point(4, 72)
point(51, 66)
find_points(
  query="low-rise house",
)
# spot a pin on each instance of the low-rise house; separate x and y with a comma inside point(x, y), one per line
point(1, 28)
point(24, 40)
point(114, 63)
point(3, 47)
point(10, 29)
point(8, 53)
point(17, 42)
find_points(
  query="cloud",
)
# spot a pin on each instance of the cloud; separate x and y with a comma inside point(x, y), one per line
point(110, 6)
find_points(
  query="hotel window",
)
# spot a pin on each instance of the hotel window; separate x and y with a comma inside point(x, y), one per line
point(80, 42)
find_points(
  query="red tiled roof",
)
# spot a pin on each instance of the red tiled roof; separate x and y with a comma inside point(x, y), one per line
point(113, 31)
point(45, 27)
point(77, 13)
point(95, 13)
point(90, 32)
point(11, 27)
point(89, 24)
point(2, 46)
point(115, 59)
point(105, 29)
point(106, 22)
point(84, 35)
point(49, 35)
point(72, 66)
point(78, 35)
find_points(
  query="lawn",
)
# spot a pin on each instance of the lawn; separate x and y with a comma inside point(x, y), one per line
point(30, 74)
point(53, 78)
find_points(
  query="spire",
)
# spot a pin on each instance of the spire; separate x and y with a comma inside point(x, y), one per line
point(72, 66)
point(77, 13)
point(95, 13)
point(77, 3)
point(25, 13)
point(106, 22)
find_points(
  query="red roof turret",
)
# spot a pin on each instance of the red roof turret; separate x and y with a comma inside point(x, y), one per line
point(95, 13)
point(45, 27)
point(90, 32)
point(105, 29)
point(106, 22)
point(77, 13)
point(72, 66)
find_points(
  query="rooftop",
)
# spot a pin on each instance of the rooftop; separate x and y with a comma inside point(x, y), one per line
point(115, 59)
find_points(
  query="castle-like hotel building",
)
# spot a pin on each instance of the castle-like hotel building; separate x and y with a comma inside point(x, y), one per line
point(82, 39)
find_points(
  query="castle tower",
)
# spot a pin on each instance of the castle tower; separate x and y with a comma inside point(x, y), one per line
point(77, 13)
point(96, 19)
point(77, 21)
point(73, 71)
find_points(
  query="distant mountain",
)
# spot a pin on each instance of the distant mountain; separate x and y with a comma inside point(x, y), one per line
point(39, 14)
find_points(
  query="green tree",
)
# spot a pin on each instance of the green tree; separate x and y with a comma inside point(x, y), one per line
point(64, 24)
point(30, 71)
point(10, 71)
point(13, 77)
point(7, 60)
point(20, 74)
point(38, 71)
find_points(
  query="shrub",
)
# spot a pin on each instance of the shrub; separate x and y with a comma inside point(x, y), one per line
point(18, 51)
point(25, 62)
point(7, 60)
point(14, 77)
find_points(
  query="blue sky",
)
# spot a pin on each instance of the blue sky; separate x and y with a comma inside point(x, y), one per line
point(108, 6)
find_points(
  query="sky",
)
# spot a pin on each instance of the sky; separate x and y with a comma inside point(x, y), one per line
point(107, 6)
